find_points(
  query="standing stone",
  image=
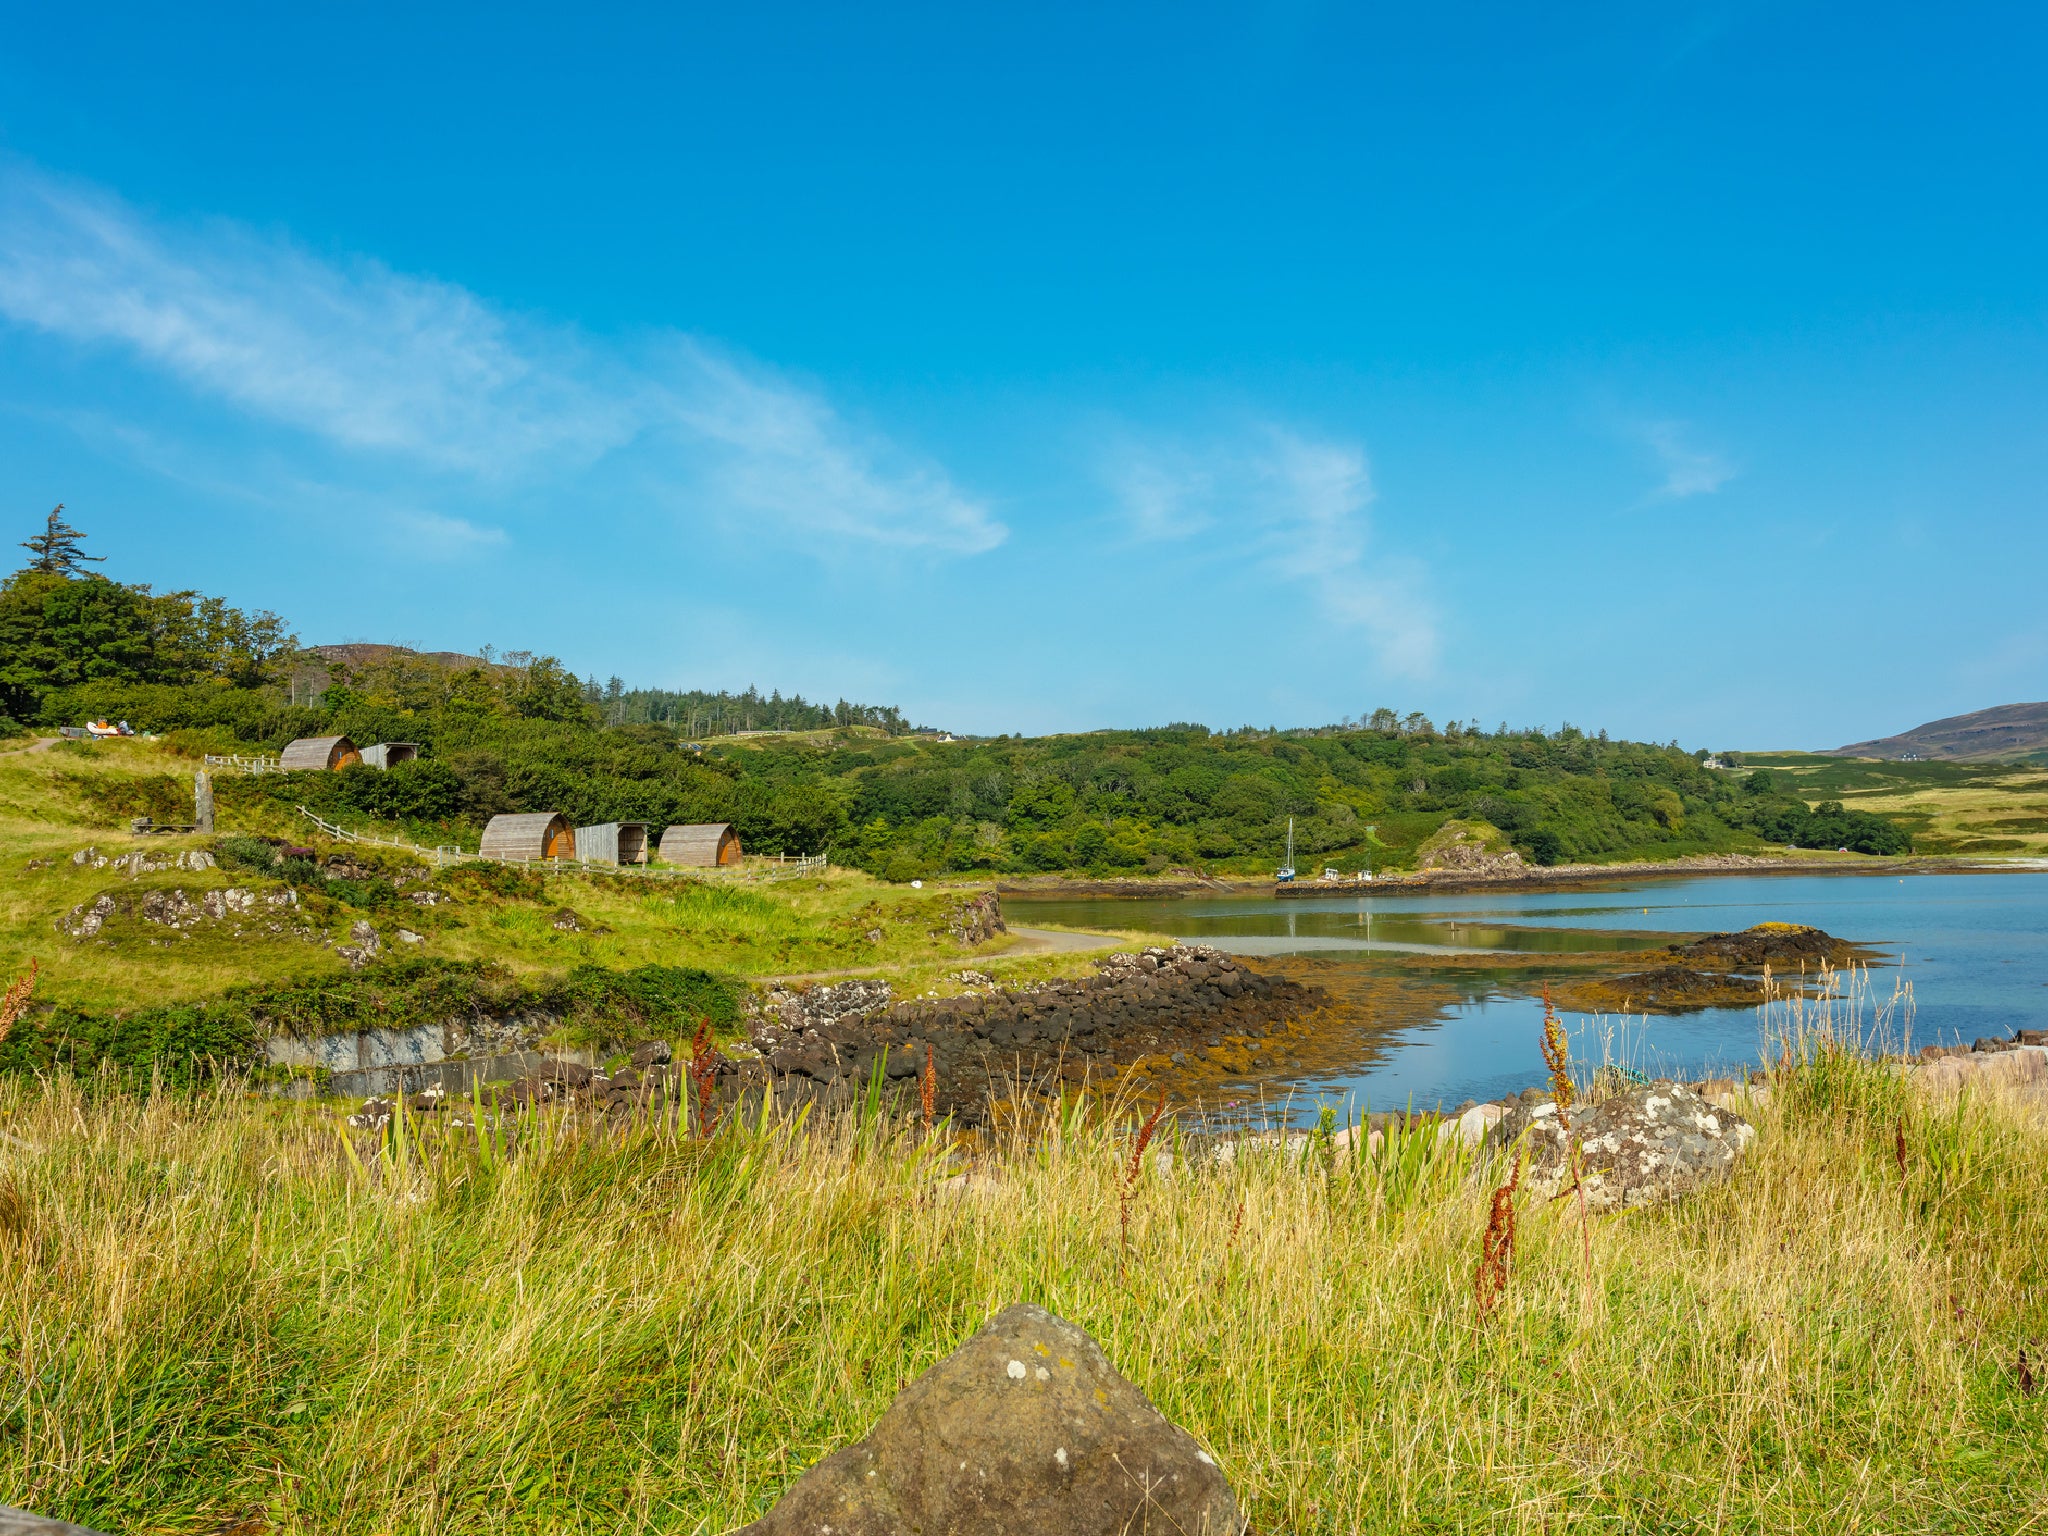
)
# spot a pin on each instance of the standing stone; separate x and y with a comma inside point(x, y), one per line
point(202, 800)
point(1025, 1427)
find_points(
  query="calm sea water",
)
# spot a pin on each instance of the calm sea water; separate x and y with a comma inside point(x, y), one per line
point(1972, 949)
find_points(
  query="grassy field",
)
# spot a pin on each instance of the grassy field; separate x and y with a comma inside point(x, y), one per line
point(751, 924)
point(216, 1315)
point(1949, 808)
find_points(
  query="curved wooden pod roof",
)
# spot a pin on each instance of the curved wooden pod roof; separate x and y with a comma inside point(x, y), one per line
point(702, 845)
point(528, 836)
point(319, 752)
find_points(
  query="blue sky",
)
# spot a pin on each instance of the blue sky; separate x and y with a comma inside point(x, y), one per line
point(1678, 371)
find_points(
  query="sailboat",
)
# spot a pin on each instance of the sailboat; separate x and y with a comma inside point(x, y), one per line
point(1287, 869)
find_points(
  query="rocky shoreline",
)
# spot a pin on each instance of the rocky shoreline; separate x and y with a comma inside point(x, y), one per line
point(1139, 1020)
point(1494, 876)
point(1141, 1014)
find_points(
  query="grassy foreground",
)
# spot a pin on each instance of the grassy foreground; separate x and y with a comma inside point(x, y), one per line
point(214, 1317)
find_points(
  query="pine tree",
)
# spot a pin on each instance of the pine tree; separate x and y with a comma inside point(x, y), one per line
point(56, 547)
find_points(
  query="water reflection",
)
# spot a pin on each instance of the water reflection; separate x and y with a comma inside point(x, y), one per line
point(1432, 1000)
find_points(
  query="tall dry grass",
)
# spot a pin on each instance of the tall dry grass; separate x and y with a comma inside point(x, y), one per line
point(215, 1313)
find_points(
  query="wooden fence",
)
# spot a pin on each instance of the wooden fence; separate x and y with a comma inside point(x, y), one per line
point(235, 763)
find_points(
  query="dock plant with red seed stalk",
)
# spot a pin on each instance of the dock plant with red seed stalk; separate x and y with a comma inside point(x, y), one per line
point(1497, 1245)
point(15, 1002)
point(703, 1070)
point(1135, 1167)
point(1557, 1056)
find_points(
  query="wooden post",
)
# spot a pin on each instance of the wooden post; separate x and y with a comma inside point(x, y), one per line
point(202, 801)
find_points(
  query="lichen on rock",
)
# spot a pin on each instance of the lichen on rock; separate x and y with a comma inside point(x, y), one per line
point(1647, 1144)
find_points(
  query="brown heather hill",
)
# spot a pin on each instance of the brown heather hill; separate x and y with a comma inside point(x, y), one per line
point(2011, 733)
point(356, 655)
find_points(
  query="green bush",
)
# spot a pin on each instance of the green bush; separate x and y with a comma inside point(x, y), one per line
point(183, 1044)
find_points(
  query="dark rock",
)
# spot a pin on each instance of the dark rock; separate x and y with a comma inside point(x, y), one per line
point(572, 1073)
point(373, 1116)
point(1646, 1144)
point(1025, 1427)
point(651, 1053)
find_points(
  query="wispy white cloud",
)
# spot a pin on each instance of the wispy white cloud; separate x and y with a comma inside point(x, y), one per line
point(773, 449)
point(1689, 470)
point(396, 368)
point(1298, 507)
point(438, 536)
point(1163, 492)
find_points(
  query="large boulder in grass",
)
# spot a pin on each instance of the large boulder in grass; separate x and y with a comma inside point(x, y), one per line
point(1645, 1144)
point(1025, 1427)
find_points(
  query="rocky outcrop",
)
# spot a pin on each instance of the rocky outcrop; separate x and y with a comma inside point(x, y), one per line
point(1470, 848)
point(1025, 1427)
point(1781, 946)
point(799, 1010)
point(141, 863)
point(1643, 1145)
point(983, 1045)
point(975, 921)
point(2020, 1062)
point(184, 911)
point(363, 945)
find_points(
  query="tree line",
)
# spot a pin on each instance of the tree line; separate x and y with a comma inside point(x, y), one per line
point(532, 736)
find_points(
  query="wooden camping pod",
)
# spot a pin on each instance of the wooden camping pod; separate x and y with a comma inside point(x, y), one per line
point(529, 836)
point(613, 842)
point(320, 752)
point(389, 754)
point(704, 845)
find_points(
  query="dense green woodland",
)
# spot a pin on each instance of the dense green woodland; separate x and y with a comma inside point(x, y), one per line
point(75, 646)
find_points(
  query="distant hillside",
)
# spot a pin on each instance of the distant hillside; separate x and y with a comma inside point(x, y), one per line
point(695, 712)
point(362, 653)
point(2009, 733)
